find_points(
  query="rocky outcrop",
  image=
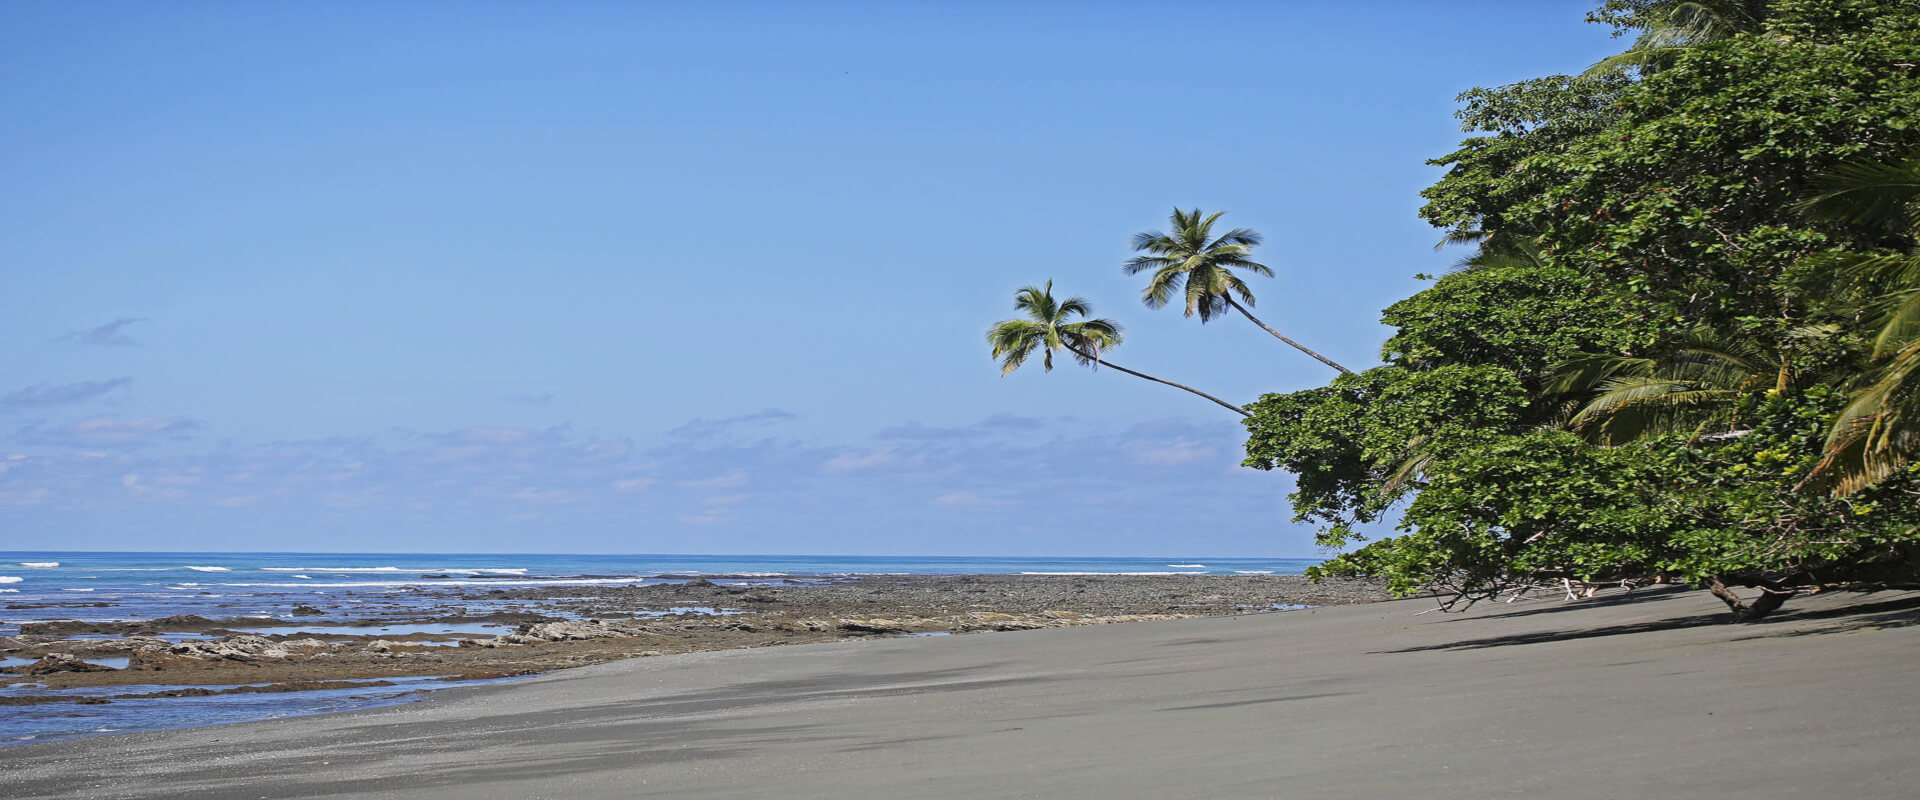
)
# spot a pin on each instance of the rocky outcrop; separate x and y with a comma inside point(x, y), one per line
point(61, 662)
point(880, 625)
point(182, 623)
point(576, 630)
point(989, 621)
point(245, 649)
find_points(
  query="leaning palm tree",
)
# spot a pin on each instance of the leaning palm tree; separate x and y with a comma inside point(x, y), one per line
point(1878, 433)
point(1673, 26)
point(1192, 263)
point(1049, 326)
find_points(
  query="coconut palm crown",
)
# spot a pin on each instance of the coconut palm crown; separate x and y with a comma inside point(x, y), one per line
point(1050, 325)
point(1192, 265)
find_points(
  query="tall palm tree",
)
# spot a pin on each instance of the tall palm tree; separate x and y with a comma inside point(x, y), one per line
point(1191, 262)
point(1673, 26)
point(1049, 327)
point(1878, 433)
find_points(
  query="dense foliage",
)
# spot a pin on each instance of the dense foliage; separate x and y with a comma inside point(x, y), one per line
point(1650, 263)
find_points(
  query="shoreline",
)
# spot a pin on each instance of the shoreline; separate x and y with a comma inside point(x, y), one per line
point(502, 633)
point(1632, 692)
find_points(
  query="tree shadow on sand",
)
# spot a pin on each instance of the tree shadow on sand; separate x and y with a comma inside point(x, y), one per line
point(1894, 613)
point(1545, 604)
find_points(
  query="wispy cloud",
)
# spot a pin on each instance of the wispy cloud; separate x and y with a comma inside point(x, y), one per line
point(708, 428)
point(1179, 451)
point(848, 462)
point(108, 335)
point(1047, 486)
point(109, 432)
point(731, 480)
point(64, 394)
point(996, 424)
point(970, 500)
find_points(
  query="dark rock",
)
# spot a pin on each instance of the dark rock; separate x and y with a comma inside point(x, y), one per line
point(61, 662)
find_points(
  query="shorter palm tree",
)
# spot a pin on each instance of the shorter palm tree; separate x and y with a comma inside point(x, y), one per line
point(1190, 262)
point(1049, 326)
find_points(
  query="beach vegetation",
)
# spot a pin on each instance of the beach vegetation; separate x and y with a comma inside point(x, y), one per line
point(1684, 346)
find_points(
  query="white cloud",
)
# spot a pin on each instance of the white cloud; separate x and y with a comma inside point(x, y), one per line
point(969, 500)
point(848, 462)
point(546, 496)
point(731, 480)
point(61, 395)
point(1181, 450)
point(23, 498)
point(96, 431)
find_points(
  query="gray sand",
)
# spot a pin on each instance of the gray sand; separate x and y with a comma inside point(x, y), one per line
point(1641, 695)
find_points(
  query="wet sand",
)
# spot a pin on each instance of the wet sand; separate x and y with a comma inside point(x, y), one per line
point(1637, 694)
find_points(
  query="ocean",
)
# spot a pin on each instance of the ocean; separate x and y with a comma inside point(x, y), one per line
point(110, 587)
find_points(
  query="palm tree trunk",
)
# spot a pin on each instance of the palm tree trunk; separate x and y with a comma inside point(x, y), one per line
point(1236, 409)
point(1276, 334)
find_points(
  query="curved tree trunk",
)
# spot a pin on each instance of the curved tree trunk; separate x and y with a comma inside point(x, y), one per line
point(1276, 334)
point(1236, 409)
point(1770, 599)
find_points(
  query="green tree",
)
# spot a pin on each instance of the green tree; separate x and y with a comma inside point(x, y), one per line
point(1194, 265)
point(1616, 215)
point(1052, 326)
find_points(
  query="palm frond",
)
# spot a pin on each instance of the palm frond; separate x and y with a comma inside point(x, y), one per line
point(1585, 372)
point(1238, 237)
point(1048, 328)
point(1878, 433)
point(1621, 398)
point(1898, 319)
point(1684, 24)
point(1162, 287)
point(1075, 307)
point(1871, 192)
point(1460, 235)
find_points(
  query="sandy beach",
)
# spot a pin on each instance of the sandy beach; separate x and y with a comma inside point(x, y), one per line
point(1643, 693)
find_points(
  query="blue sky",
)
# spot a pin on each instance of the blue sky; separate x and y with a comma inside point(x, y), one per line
point(708, 278)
